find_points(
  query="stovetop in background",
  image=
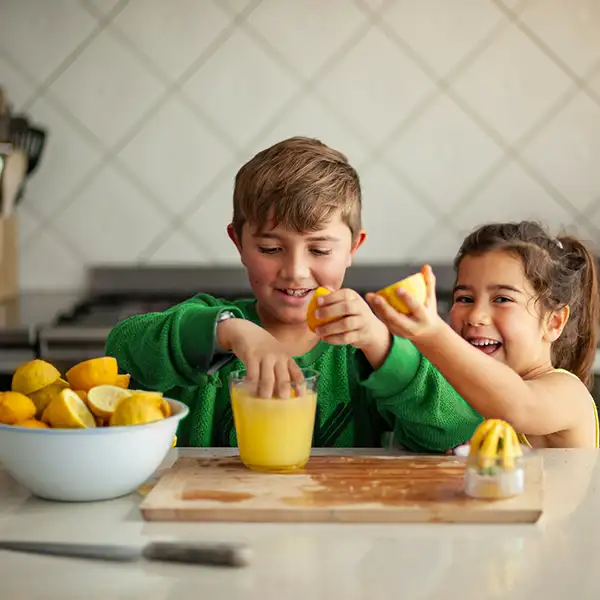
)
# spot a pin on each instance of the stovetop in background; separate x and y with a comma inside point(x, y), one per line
point(106, 310)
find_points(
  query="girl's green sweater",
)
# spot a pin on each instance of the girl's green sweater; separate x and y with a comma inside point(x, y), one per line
point(174, 352)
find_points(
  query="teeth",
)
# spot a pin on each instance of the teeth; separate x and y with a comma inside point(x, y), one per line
point(296, 292)
point(484, 342)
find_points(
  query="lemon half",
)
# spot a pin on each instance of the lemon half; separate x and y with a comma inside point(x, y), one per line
point(33, 376)
point(68, 411)
point(103, 399)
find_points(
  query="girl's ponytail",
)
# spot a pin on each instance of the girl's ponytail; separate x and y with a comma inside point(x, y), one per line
point(576, 349)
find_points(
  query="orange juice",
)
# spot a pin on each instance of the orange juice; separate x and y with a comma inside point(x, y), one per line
point(274, 434)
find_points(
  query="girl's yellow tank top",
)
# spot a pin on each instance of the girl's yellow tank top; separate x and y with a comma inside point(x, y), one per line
point(525, 441)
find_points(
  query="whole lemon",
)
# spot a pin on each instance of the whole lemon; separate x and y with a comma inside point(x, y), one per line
point(137, 409)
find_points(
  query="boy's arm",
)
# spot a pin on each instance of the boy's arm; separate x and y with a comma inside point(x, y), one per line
point(172, 348)
point(426, 413)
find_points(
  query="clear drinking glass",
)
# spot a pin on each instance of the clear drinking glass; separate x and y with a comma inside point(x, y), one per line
point(274, 434)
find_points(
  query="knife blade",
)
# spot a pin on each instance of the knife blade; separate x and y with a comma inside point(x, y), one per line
point(226, 555)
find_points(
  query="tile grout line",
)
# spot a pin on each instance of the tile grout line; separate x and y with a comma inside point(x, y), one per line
point(374, 19)
point(442, 85)
point(176, 88)
point(107, 159)
point(68, 61)
point(305, 85)
point(510, 153)
point(309, 84)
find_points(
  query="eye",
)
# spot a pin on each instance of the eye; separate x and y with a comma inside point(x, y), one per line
point(264, 250)
point(502, 299)
point(318, 252)
point(463, 299)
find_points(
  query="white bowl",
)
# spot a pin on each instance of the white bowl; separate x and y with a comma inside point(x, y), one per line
point(81, 465)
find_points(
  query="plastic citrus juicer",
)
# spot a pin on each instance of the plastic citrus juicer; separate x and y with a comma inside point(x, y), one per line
point(495, 462)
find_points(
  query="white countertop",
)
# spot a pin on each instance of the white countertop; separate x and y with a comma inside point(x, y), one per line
point(556, 558)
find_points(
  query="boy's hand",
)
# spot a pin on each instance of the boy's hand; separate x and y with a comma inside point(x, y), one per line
point(423, 320)
point(270, 370)
point(356, 325)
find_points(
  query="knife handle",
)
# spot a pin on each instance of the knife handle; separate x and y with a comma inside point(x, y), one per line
point(226, 555)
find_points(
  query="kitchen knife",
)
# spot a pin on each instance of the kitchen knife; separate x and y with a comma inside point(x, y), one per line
point(226, 555)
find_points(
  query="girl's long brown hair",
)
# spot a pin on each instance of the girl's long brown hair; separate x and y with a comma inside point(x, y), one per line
point(563, 272)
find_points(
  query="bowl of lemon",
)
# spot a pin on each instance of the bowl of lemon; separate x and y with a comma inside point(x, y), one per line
point(86, 436)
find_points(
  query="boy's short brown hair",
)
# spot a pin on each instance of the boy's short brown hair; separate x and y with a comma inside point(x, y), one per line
point(298, 183)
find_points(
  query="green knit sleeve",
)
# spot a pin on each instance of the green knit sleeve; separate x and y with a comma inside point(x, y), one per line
point(396, 372)
point(428, 414)
point(169, 349)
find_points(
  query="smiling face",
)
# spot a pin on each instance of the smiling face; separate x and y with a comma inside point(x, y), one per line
point(495, 310)
point(285, 267)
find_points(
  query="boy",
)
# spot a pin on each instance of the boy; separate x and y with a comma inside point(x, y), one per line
point(297, 225)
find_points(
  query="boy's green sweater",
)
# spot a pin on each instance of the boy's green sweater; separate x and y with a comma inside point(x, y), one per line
point(173, 352)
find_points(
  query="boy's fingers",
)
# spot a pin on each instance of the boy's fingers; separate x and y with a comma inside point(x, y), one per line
point(283, 381)
point(297, 377)
point(333, 311)
point(347, 337)
point(430, 283)
point(266, 383)
point(345, 325)
point(342, 302)
point(328, 299)
point(295, 371)
point(252, 377)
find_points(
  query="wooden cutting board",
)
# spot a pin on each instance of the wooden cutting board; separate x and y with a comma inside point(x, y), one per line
point(359, 489)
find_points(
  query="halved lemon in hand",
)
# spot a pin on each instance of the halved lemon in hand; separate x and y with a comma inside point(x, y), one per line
point(68, 411)
point(103, 399)
point(415, 285)
point(311, 310)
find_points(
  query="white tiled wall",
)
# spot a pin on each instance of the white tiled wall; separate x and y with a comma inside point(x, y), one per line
point(455, 112)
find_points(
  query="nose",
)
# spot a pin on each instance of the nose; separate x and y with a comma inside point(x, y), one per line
point(295, 267)
point(478, 315)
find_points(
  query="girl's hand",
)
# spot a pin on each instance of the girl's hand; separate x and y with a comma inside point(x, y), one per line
point(423, 320)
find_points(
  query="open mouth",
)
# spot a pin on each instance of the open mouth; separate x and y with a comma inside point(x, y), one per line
point(295, 293)
point(486, 345)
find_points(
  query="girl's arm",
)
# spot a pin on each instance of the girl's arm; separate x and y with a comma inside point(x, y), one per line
point(551, 403)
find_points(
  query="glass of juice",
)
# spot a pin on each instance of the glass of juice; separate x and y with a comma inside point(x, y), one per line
point(274, 434)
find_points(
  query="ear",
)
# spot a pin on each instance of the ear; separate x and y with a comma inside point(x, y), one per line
point(358, 242)
point(234, 237)
point(555, 323)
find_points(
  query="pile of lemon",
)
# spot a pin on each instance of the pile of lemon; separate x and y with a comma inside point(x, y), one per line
point(93, 395)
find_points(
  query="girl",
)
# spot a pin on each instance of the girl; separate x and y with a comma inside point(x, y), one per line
point(522, 335)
